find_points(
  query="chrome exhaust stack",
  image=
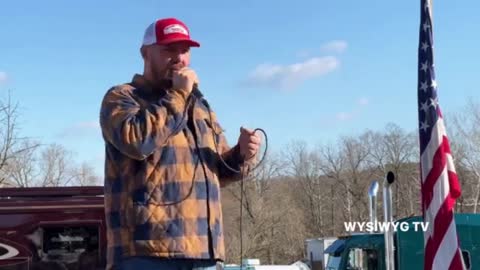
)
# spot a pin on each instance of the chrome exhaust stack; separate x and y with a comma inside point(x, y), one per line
point(388, 216)
point(372, 195)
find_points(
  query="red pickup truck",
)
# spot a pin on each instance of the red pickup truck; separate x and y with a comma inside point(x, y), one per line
point(52, 228)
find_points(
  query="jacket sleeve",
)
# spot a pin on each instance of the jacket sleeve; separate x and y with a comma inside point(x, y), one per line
point(231, 156)
point(137, 131)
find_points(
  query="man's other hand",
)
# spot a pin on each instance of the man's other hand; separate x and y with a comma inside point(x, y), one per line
point(249, 143)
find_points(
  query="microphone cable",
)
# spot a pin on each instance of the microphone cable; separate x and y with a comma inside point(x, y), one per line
point(196, 92)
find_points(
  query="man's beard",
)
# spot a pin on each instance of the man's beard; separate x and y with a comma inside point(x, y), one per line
point(163, 77)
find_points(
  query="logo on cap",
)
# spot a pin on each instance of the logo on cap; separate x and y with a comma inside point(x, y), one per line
point(175, 28)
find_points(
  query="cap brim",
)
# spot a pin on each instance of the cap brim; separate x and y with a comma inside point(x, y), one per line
point(190, 42)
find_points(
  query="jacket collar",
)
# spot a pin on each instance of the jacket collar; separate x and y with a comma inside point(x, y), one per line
point(139, 81)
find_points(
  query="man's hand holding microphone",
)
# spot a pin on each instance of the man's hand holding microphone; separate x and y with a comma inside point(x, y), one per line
point(248, 141)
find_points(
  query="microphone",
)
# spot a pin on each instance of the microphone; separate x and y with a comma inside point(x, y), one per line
point(195, 91)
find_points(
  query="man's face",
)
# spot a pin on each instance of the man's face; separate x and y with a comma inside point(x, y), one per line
point(164, 59)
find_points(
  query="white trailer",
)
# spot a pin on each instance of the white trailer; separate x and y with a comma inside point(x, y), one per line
point(254, 264)
point(315, 251)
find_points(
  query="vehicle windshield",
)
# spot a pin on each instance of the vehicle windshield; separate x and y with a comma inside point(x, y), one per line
point(333, 262)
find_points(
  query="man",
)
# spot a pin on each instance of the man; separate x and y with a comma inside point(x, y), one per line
point(164, 169)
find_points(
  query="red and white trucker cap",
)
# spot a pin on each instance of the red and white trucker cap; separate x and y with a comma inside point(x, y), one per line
point(165, 31)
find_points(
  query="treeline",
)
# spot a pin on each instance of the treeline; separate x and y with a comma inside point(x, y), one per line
point(27, 162)
point(309, 191)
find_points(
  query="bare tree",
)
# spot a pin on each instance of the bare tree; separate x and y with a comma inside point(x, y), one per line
point(85, 175)
point(24, 164)
point(313, 191)
point(396, 150)
point(333, 167)
point(22, 171)
point(356, 154)
point(11, 143)
point(268, 216)
point(55, 166)
point(466, 177)
point(305, 167)
point(50, 166)
point(466, 137)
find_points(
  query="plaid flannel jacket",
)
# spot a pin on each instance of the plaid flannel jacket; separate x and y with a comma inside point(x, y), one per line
point(163, 174)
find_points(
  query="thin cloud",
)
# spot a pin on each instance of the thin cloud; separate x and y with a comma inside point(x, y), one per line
point(3, 77)
point(290, 76)
point(336, 119)
point(344, 116)
point(363, 101)
point(303, 54)
point(335, 46)
point(81, 129)
point(287, 77)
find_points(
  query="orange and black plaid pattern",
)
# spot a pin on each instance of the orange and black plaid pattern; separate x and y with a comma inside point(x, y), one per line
point(163, 174)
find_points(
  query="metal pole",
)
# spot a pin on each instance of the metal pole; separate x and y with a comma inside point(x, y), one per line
point(388, 216)
point(372, 195)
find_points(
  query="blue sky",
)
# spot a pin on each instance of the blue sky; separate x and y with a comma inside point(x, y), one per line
point(307, 70)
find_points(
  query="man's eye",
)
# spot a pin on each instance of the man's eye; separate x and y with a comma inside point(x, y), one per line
point(175, 51)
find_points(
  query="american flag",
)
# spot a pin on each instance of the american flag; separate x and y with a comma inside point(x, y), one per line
point(440, 186)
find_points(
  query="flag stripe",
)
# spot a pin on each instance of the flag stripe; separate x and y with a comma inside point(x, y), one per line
point(440, 159)
point(438, 195)
point(457, 260)
point(447, 249)
point(438, 132)
point(440, 228)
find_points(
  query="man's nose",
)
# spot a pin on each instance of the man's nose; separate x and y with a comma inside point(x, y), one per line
point(176, 57)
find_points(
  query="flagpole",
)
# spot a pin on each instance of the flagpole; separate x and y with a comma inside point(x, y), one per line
point(430, 9)
point(430, 4)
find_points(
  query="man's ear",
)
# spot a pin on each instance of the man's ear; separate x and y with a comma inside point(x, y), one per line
point(143, 51)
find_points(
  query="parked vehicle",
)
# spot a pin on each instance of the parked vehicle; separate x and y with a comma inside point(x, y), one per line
point(52, 228)
point(369, 250)
point(315, 252)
